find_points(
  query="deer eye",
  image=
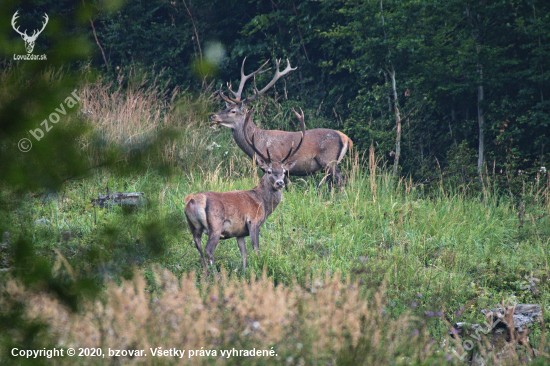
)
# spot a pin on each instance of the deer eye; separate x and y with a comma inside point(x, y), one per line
point(269, 171)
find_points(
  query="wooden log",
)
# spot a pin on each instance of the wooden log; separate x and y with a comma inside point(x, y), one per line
point(523, 315)
point(133, 199)
point(502, 325)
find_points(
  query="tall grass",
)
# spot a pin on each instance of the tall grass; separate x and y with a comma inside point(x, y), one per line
point(126, 113)
point(130, 113)
point(327, 322)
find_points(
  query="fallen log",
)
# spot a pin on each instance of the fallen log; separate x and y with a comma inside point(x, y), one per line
point(505, 328)
point(133, 199)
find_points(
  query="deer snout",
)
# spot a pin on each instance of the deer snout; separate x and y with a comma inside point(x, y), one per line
point(280, 184)
point(215, 118)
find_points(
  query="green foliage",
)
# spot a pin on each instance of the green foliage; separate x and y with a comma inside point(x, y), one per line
point(42, 127)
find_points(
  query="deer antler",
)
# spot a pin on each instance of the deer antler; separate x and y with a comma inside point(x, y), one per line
point(24, 34)
point(251, 141)
point(244, 78)
point(303, 126)
point(13, 19)
point(278, 74)
point(36, 33)
point(226, 98)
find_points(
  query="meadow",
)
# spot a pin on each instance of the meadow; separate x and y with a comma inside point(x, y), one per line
point(375, 273)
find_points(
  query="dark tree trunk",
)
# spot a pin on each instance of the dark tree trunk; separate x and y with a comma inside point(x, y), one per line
point(397, 122)
point(481, 123)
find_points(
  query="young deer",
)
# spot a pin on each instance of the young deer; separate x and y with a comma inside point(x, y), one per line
point(238, 214)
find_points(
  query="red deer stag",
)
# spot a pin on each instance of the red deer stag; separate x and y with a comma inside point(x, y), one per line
point(323, 148)
point(238, 214)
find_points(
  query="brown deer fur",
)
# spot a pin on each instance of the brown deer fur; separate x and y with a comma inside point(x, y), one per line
point(237, 214)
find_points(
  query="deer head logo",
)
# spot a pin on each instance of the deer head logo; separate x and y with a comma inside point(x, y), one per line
point(29, 40)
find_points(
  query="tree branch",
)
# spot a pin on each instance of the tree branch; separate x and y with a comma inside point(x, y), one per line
point(300, 32)
point(97, 40)
point(194, 27)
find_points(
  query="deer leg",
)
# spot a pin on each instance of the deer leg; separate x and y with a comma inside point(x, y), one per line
point(334, 176)
point(198, 245)
point(330, 177)
point(242, 248)
point(329, 171)
point(197, 237)
point(254, 232)
point(211, 244)
point(338, 177)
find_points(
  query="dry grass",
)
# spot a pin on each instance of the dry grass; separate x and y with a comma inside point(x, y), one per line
point(328, 322)
point(126, 114)
point(130, 113)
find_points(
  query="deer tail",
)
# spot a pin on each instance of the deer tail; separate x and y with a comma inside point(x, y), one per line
point(347, 144)
point(350, 143)
point(195, 212)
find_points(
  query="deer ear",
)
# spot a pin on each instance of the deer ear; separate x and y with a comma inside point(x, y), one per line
point(289, 165)
point(229, 105)
point(261, 163)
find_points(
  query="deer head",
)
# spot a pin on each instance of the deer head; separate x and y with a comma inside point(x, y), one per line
point(29, 40)
point(234, 114)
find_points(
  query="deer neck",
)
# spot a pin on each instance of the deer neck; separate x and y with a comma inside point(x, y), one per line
point(239, 138)
point(269, 196)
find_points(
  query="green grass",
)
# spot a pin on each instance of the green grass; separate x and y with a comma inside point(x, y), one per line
point(440, 251)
